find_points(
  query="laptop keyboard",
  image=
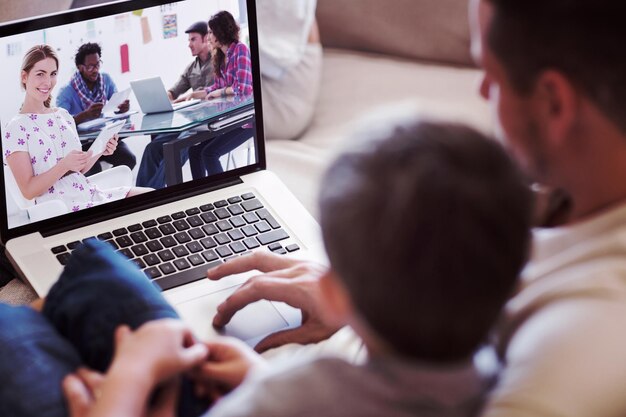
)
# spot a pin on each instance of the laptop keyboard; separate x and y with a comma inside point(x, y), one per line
point(179, 248)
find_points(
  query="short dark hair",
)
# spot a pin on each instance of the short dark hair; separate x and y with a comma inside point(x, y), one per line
point(428, 227)
point(86, 49)
point(582, 39)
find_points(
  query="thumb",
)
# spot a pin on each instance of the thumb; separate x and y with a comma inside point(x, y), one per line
point(121, 333)
point(283, 337)
point(194, 354)
point(77, 396)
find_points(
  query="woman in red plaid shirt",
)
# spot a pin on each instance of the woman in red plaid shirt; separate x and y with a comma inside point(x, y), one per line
point(233, 77)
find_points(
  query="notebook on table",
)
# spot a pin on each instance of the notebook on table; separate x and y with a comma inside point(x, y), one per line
point(176, 233)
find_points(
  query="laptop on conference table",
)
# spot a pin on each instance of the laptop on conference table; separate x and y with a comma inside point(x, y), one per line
point(152, 96)
point(198, 223)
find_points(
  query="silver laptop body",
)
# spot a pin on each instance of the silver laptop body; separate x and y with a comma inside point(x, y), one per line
point(152, 96)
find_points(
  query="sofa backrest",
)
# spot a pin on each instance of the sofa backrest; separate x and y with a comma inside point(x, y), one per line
point(433, 30)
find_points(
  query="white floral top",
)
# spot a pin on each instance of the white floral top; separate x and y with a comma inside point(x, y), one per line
point(48, 138)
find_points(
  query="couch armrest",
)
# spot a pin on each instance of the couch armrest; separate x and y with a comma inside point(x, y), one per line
point(431, 30)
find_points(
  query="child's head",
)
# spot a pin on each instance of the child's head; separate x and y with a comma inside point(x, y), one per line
point(427, 226)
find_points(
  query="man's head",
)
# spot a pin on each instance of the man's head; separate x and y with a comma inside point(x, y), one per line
point(198, 38)
point(427, 227)
point(550, 65)
point(88, 61)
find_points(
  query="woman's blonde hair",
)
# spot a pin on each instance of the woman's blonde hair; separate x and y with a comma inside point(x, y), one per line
point(35, 54)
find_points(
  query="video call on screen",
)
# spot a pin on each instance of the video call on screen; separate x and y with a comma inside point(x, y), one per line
point(136, 45)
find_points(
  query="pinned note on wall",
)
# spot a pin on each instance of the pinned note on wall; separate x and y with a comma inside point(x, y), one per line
point(170, 26)
point(145, 30)
point(124, 58)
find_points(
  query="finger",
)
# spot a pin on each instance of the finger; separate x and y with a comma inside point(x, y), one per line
point(194, 355)
point(92, 379)
point(222, 373)
point(263, 261)
point(224, 347)
point(299, 335)
point(121, 333)
point(77, 396)
point(165, 404)
point(258, 288)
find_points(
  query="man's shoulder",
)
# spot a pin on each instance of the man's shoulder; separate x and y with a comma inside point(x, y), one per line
point(567, 346)
point(107, 79)
point(66, 90)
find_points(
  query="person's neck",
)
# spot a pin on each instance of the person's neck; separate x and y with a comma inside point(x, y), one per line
point(33, 106)
point(224, 49)
point(203, 56)
point(376, 347)
point(593, 174)
point(90, 84)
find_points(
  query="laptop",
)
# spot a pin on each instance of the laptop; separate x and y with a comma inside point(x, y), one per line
point(152, 96)
point(196, 224)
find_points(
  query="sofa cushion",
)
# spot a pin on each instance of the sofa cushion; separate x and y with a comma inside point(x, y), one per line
point(434, 30)
point(349, 98)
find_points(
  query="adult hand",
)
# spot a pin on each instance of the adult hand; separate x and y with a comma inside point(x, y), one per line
point(199, 93)
point(82, 393)
point(111, 145)
point(94, 110)
point(291, 281)
point(80, 390)
point(214, 94)
point(75, 161)
point(123, 108)
point(159, 349)
point(226, 367)
point(182, 98)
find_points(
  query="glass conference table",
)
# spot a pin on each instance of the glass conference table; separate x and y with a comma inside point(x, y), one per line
point(204, 121)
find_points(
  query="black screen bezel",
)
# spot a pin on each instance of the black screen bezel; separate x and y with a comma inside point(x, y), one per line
point(169, 194)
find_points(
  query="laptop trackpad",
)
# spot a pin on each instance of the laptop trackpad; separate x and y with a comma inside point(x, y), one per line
point(250, 324)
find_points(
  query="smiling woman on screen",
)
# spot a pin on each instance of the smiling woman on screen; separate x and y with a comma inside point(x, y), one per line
point(41, 144)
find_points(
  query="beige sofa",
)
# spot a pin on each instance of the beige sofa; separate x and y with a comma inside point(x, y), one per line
point(380, 57)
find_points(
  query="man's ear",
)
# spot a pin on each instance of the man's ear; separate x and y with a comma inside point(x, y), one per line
point(557, 103)
point(338, 304)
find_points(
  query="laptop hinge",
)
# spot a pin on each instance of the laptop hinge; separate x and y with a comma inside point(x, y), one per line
point(61, 228)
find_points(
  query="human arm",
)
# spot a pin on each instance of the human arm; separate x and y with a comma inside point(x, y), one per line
point(154, 354)
point(92, 112)
point(182, 84)
point(199, 93)
point(283, 279)
point(123, 108)
point(32, 185)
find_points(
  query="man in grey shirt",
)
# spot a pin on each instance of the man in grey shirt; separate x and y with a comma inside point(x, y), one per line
point(197, 75)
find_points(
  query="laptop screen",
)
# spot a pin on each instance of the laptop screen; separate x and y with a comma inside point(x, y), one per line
point(70, 81)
